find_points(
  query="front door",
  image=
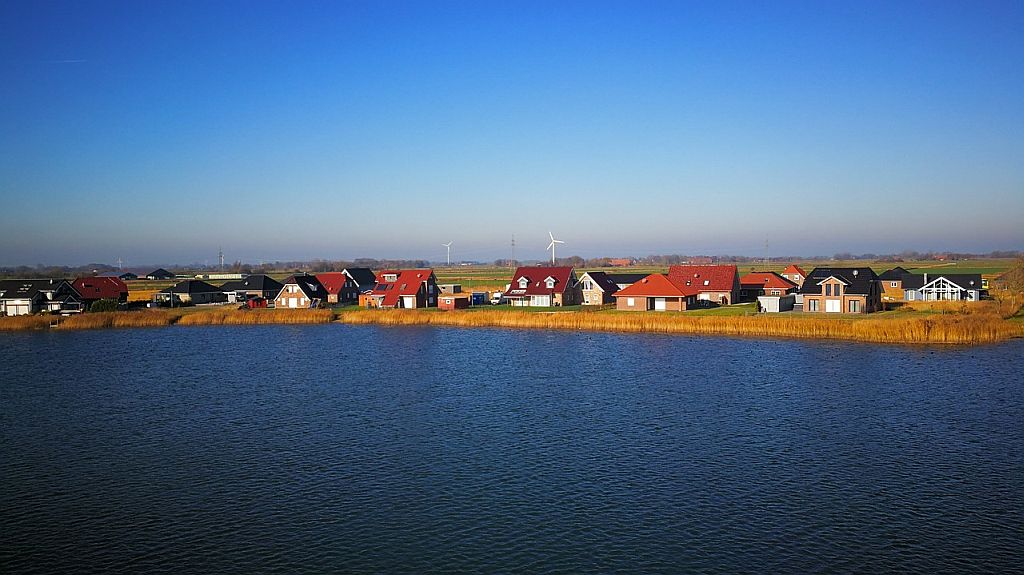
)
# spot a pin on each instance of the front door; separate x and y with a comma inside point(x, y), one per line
point(833, 306)
point(659, 304)
point(410, 301)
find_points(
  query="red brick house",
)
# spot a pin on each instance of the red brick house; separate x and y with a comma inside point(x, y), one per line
point(407, 289)
point(597, 288)
point(841, 290)
point(715, 284)
point(302, 291)
point(334, 283)
point(757, 284)
point(656, 292)
point(93, 289)
point(542, 286)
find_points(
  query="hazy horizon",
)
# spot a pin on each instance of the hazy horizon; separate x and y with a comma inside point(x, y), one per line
point(163, 132)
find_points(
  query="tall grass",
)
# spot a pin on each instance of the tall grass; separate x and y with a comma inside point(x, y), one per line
point(257, 317)
point(954, 329)
point(149, 318)
point(25, 322)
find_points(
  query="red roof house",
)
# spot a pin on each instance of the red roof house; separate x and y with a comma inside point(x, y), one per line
point(544, 286)
point(757, 284)
point(334, 283)
point(795, 274)
point(656, 292)
point(403, 289)
point(96, 288)
point(718, 284)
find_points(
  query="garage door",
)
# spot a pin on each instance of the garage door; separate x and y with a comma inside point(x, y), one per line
point(659, 304)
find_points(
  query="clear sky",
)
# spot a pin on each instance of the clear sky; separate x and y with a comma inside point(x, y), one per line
point(160, 131)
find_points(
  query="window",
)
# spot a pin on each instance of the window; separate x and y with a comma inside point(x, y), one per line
point(854, 306)
point(630, 302)
point(892, 284)
point(550, 283)
point(707, 282)
point(586, 298)
point(812, 305)
point(430, 289)
point(523, 283)
point(587, 284)
point(828, 290)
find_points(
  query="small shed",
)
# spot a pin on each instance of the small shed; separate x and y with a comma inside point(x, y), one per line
point(776, 304)
point(478, 298)
point(450, 301)
point(450, 288)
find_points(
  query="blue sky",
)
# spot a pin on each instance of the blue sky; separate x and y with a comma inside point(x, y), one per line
point(161, 131)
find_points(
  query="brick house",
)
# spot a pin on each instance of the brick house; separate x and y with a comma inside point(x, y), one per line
point(407, 289)
point(715, 284)
point(892, 284)
point(301, 291)
point(93, 289)
point(795, 274)
point(656, 292)
point(597, 288)
point(542, 286)
point(756, 284)
point(841, 290)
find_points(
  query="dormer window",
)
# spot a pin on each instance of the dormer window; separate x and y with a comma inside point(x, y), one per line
point(523, 282)
point(550, 283)
point(390, 277)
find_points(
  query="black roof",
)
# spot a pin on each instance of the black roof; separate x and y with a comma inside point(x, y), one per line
point(29, 289)
point(309, 286)
point(917, 281)
point(857, 280)
point(603, 281)
point(191, 286)
point(257, 282)
point(362, 276)
point(895, 273)
point(626, 278)
point(160, 272)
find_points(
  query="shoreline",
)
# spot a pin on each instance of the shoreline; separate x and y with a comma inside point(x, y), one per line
point(948, 329)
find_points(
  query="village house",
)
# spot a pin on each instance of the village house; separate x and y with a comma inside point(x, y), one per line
point(254, 286)
point(190, 292)
point(542, 286)
point(407, 289)
point(597, 288)
point(841, 290)
point(757, 284)
point(300, 291)
point(93, 289)
point(657, 292)
point(892, 284)
point(716, 284)
point(942, 287)
point(334, 283)
point(360, 280)
point(795, 274)
point(23, 297)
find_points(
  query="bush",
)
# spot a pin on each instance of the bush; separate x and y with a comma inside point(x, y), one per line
point(102, 305)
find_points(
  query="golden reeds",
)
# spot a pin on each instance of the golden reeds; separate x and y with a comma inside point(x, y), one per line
point(957, 329)
point(25, 322)
point(257, 317)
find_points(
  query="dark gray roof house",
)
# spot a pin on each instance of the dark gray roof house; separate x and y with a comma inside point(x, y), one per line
point(160, 274)
point(894, 274)
point(364, 277)
point(260, 285)
point(858, 280)
point(191, 291)
point(623, 280)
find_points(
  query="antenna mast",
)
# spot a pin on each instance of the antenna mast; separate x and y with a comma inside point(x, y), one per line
point(512, 259)
point(221, 254)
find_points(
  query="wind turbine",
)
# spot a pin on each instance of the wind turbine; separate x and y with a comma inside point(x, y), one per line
point(551, 246)
point(449, 246)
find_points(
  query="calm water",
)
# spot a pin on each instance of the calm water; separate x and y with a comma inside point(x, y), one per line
point(410, 450)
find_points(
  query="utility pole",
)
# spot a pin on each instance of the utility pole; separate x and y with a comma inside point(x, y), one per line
point(512, 259)
point(221, 259)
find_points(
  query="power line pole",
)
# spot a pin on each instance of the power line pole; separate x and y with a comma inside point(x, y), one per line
point(512, 259)
point(221, 254)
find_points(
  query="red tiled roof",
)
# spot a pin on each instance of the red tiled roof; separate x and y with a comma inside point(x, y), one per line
point(333, 281)
point(794, 269)
point(657, 285)
point(407, 282)
point(718, 278)
point(770, 280)
point(536, 277)
point(99, 287)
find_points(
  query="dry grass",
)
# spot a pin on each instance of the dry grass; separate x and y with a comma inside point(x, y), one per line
point(953, 329)
point(1005, 305)
point(25, 322)
point(142, 294)
point(149, 318)
point(257, 317)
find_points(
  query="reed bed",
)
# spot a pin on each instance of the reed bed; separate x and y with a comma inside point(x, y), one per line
point(257, 317)
point(944, 329)
point(149, 318)
point(25, 322)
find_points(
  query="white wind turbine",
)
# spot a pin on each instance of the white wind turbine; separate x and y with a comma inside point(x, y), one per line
point(551, 246)
point(449, 246)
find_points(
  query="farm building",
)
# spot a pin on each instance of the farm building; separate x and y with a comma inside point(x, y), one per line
point(541, 286)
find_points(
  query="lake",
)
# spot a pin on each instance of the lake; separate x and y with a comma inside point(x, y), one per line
point(365, 449)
